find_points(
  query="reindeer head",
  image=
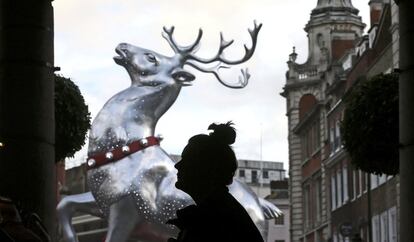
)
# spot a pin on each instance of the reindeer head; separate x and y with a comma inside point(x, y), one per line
point(147, 67)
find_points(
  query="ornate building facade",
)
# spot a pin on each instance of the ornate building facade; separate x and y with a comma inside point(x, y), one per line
point(332, 29)
point(328, 196)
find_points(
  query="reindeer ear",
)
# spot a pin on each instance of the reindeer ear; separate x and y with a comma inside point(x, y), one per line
point(182, 76)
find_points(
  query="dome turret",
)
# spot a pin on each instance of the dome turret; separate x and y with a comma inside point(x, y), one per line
point(333, 27)
point(335, 5)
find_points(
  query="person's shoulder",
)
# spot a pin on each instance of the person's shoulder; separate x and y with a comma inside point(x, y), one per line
point(243, 226)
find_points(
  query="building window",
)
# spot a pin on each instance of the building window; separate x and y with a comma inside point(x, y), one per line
point(351, 176)
point(332, 138)
point(333, 191)
point(338, 143)
point(278, 176)
point(265, 174)
point(384, 227)
point(374, 181)
point(254, 177)
point(335, 136)
point(280, 220)
point(356, 181)
point(318, 196)
point(338, 188)
point(316, 135)
point(363, 180)
point(362, 233)
point(340, 238)
point(382, 179)
point(242, 173)
point(392, 224)
point(310, 140)
point(377, 180)
point(307, 206)
point(345, 182)
point(376, 229)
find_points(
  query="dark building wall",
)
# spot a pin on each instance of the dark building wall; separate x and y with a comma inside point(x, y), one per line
point(311, 166)
point(306, 103)
point(340, 46)
point(379, 57)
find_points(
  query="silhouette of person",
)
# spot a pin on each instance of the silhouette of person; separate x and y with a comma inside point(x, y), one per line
point(206, 168)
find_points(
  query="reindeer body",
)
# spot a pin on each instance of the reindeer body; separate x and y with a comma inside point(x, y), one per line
point(122, 120)
point(139, 189)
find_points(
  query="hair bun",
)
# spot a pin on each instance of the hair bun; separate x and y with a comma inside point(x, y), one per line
point(224, 133)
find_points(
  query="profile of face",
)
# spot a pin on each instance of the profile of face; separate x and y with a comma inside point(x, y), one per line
point(192, 174)
point(207, 162)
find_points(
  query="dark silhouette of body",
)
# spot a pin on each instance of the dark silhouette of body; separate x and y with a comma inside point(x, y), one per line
point(207, 166)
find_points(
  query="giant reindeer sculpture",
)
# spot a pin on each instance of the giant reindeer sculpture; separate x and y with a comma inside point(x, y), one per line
point(130, 176)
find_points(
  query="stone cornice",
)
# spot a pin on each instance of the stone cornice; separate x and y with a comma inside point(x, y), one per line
point(335, 9)
point(318, 21)
point(300, 84)
point(337, 156)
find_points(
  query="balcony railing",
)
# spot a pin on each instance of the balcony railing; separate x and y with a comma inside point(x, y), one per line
point(301, 72)
point(305, 73)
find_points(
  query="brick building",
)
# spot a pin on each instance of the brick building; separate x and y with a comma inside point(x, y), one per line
point(329, 196)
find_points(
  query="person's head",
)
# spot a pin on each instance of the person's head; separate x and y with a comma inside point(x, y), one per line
point(207, 161)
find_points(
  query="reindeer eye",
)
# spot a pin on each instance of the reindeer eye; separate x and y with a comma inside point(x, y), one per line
point(151, 58)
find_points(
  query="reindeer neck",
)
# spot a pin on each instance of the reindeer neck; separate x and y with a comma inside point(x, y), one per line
point(130, 115)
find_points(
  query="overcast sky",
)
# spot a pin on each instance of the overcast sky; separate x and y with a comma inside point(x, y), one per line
point(87, 32)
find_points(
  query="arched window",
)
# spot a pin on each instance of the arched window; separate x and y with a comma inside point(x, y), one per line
point(310, 133)
point(306, 103)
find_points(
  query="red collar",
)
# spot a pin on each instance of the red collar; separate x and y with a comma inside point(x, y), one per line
point(116, 154)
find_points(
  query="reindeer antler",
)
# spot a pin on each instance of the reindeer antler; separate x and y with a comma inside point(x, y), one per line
point(242, 81)
point(182, 50)
point(188, 55)
point(224, 44)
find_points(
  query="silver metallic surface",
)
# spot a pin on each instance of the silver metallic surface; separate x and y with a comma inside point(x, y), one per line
point(139, 189)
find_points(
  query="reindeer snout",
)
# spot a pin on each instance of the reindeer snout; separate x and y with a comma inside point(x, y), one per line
point(122, 51)
point(123, 46)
